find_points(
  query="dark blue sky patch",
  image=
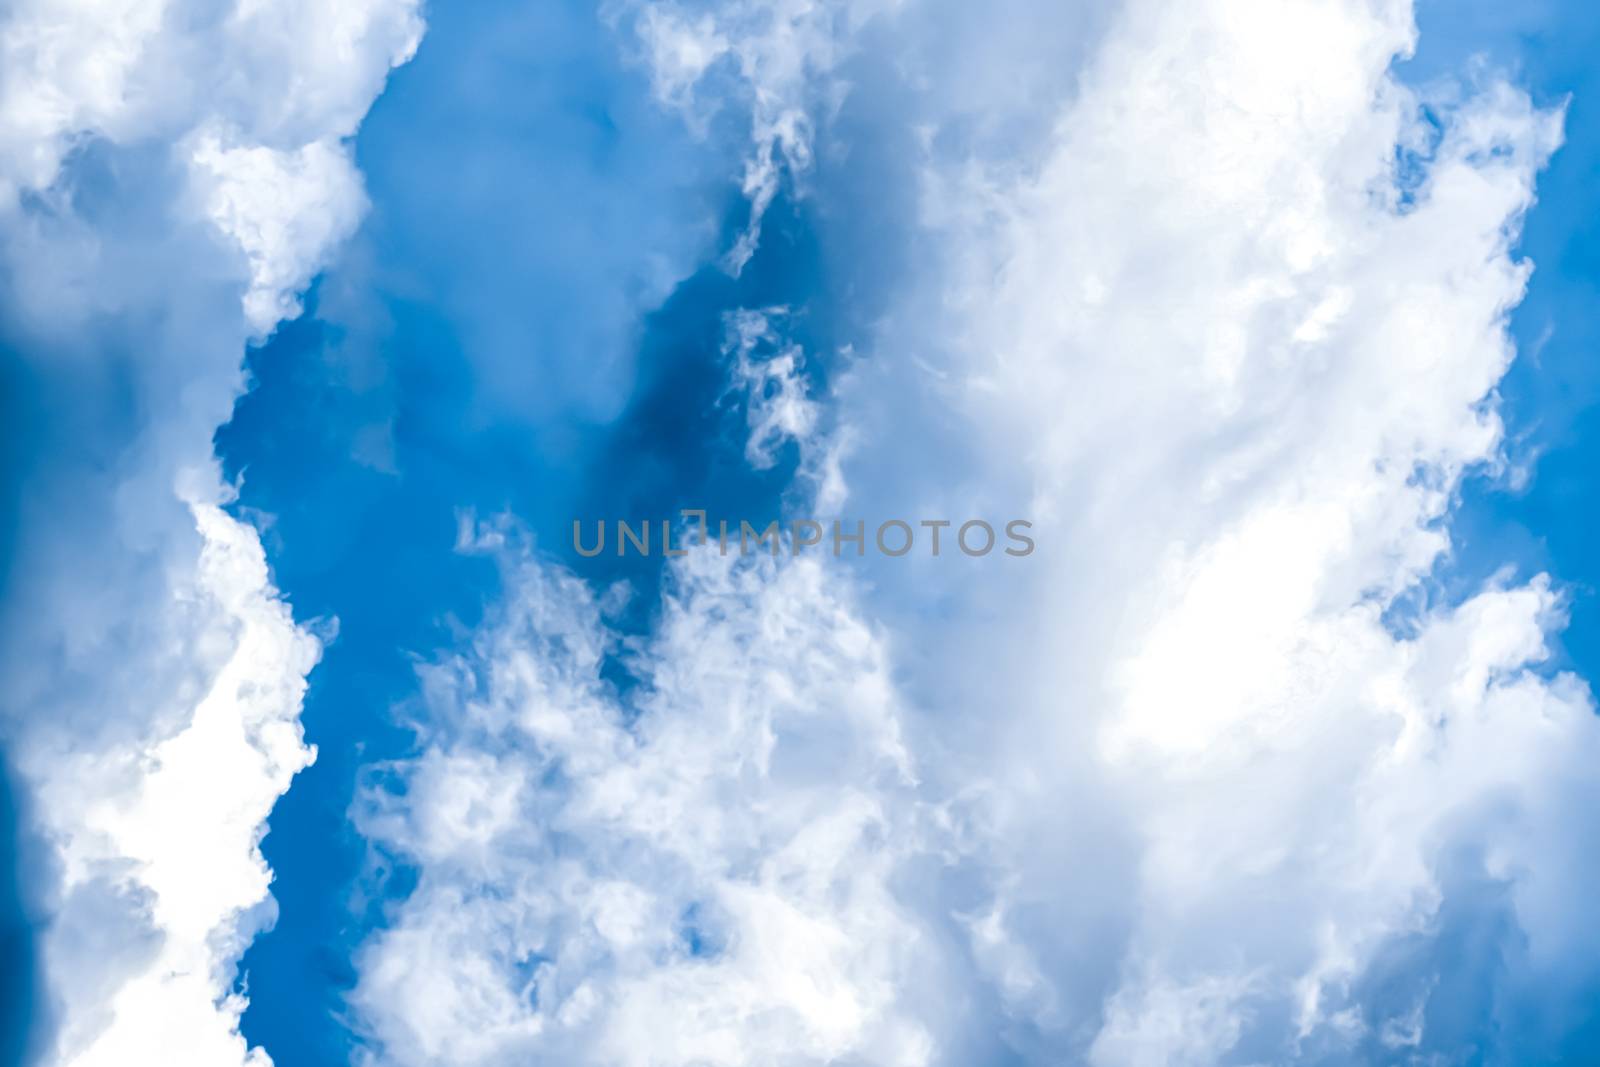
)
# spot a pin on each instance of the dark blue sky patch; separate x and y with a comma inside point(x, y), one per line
point(20, 1033)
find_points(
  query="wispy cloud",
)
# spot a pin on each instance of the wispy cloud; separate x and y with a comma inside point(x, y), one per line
point(698, 872)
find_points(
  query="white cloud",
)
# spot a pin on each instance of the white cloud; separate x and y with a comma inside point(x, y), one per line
point(171, 176)
point(1194, 784)
point(1236, 381)
point(696, 873)
point(172, 830)
point(284, 209)
point(268, 87)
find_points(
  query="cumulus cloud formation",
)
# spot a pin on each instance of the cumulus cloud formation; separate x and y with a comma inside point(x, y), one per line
point(171, 832)
point(1234, 349)
point(254, 101)
point(170, 177)
point(1206, 779)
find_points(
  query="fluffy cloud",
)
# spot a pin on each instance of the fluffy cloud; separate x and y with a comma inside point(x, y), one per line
point(252, 100)
point(170, 177)
point(695, 872)
point(1232, 344)
point(1197, 782)
point(170, 832)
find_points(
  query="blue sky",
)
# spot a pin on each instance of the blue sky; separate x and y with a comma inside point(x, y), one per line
point(1180, 788)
